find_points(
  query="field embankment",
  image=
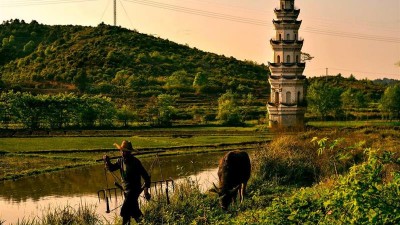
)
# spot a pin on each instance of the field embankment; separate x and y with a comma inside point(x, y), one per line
point(24, 156)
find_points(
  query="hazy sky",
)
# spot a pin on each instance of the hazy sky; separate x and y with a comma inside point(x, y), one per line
point(361, 37)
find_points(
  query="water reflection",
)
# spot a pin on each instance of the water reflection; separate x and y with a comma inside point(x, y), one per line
point(28, 197)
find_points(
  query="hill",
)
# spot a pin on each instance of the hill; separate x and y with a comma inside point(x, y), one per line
point(105, 58)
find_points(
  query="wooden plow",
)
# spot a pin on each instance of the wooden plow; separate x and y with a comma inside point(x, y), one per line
point(162, 188)
point(108, 194)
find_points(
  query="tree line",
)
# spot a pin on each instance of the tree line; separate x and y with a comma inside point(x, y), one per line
point(325, 99)
point(60, 111)
point(54, 111)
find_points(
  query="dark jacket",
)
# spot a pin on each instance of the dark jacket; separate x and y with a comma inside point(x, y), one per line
point(131, 170)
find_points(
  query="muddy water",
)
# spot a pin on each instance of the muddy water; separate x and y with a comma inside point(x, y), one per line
point(30, 197)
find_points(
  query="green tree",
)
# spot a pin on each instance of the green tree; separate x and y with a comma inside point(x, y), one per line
point(323, 99)
point(6, 108)
point(198, 113)
point(81, 80)
point(121, 78)
point(228, 109)
point(352, 78)
point(160, 110)
point(29, 47)
point(390, 101)
point(178, 80)
point(5, 42)
point(306, 57)
point(29, 109)
point(353, 99)
point(126, 114)
point(200, 81)
point(246, 104)
point(96, 109)
point(62, 110)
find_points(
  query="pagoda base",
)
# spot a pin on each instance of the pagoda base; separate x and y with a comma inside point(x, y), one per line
point(286, 117)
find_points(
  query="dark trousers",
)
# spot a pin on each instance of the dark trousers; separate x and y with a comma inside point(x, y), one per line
point(130, 207)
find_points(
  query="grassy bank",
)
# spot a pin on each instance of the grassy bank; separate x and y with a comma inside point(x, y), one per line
point(341, 176)
point(317, 177)
point(353, 123)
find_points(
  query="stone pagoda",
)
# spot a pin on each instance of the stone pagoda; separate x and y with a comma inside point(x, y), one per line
point(286, 107)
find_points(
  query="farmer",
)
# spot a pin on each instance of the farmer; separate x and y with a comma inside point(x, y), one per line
point(131, 170)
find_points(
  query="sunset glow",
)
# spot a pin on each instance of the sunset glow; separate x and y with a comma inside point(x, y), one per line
point(345, 36)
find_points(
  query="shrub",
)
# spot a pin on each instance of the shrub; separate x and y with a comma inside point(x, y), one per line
point(305, 159)
point(188, 206)
point(287, 160)
point(360, 197)
point(228, 110)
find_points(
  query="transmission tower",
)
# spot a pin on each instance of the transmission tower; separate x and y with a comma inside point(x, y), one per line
point(115, 12)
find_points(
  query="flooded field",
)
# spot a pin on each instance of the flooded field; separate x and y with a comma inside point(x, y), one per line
point(29, 197)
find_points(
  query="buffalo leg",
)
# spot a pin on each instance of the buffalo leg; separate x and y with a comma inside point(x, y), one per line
point(242, 191)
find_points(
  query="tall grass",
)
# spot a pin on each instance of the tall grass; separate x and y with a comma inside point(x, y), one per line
point(188, 205)
point(67, 215)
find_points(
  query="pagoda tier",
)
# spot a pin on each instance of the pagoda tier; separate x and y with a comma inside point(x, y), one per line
point(287, 45)
point(283, 14)
point(287, 68)
point(287, 24)
point(287, 77)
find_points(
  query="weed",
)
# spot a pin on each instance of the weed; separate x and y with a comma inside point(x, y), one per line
point(67, 215)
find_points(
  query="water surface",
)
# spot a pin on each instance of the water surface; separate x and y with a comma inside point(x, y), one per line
point(31, 196)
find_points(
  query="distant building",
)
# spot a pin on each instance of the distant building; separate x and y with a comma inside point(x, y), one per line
point(286, 107)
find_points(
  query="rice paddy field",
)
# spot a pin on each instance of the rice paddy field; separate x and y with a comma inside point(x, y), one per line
point(24, 156)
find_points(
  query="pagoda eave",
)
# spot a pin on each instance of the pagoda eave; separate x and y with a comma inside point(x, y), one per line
point(287, 77)
point(287, 10)
point(289, 13)
point(278, 108)
point(286, 42)
point(287, 21)
point(286, 70)
point(286, 65)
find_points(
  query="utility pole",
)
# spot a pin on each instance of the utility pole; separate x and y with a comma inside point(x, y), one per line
point(326, 77)
point(115, 12)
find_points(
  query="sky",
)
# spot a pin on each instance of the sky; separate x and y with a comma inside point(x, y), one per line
point(359, 37)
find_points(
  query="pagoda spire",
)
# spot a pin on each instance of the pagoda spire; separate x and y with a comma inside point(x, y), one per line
point(286, 105)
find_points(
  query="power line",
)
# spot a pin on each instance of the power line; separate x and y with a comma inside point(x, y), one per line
point(126, 13)
point(198, 12)
point(22, 3)
point(352, 71)
point(251, 21)
point(215, 15)
point(108, 3)
point(347, 70)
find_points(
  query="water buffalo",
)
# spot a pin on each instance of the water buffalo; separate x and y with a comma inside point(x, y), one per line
point(233, 172)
